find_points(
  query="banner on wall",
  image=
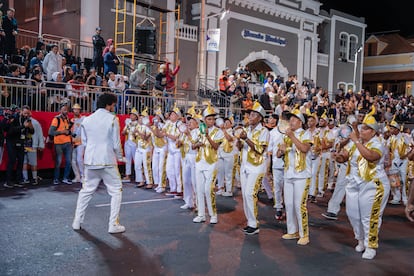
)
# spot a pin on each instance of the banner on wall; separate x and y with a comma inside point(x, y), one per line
point(46, 158)
point(213, 40)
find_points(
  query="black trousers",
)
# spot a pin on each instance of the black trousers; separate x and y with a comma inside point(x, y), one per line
point(15, 153)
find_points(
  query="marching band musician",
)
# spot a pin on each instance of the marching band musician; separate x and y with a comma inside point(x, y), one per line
point(368, 186)
point(314, 132)
point(189, 135)
point(173, 165)
point(143, 152)
point(159, 154)
point(327, 138)
point(399, 146)
point(227, 158)
point(298, 172)
point(206, 166)
point(252, 143)
point(130, 145)
point(276, 138)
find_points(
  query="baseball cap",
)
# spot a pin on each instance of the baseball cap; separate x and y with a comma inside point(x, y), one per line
point(98, 28)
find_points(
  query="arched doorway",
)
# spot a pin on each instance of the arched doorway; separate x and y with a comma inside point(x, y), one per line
point(265, 62)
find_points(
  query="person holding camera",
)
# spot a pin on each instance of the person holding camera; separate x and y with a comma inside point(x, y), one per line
point(17, 127)
point(33, 143)
point(60, 130)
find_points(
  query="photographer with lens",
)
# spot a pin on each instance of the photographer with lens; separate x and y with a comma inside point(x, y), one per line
point(17, 127)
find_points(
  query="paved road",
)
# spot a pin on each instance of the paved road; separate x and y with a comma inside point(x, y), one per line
point(161, 239)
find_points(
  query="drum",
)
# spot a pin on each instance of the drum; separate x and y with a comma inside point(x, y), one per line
point(182, 127)
point(344, 131)
point(219, 122)
point(145, 121)
point(282, 126)
point(238, 131)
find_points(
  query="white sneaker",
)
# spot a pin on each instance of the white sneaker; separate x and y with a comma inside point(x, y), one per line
point(213, 220)
point(160, 190)
point(219, 192)
point(360, 247)
point(185, 206)
point(76, 224)
point(369, 253)
point(113, 229)
point(199, 219)
point(76, 180)
point(319, 194)
point(395, 202)
point(227, 194)
point(67, 181)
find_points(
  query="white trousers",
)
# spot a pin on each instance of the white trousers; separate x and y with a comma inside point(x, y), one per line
point(158, 166)
point(365, 204)
point(323, 171)
point(334, 204)
point(143, 164)
point(129, 147)
point(295, 193)
point(173, 169)
point(205, 183)
point(313, 187)
point(278, 175)
point(77, 161)
point(226, 172)
point(112, 181)
point(250, 185)
point(398, 192)
point(189, 179)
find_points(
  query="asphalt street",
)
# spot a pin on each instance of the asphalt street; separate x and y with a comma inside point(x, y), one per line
point(161, 239)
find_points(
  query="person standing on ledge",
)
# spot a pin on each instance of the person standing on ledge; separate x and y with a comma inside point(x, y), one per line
point(100, 133)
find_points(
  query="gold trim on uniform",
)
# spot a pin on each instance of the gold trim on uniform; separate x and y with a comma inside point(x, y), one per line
point(375, 213)
point(367, 170)
point(257, 186)
point(304, 209)
point(210, 154)
point(255, 157)
point(212, 192)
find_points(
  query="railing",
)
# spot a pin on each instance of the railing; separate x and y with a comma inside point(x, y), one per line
point(49, 96)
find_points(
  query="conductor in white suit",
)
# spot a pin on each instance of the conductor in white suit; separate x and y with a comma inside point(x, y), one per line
point(101, 137)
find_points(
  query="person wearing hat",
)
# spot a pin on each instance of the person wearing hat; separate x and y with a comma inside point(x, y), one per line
point(399, 146)
point(188, 158)
point(326, 136)
point(252, 143)
point(368, 185)
point(78, 148)
point(278, 165)
point(173, 164)
point(130, 145)
point(314, 132)
point(159, 153)
point(206, 166)
point(98, 45)
point(143, 152)
point(227, 159)
point(296, 149)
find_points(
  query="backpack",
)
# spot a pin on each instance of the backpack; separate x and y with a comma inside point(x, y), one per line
point(50, 137)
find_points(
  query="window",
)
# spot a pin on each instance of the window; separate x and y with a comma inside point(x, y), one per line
point(59, 5)
point(353, 46)
point(343, 46)
point(31, 10)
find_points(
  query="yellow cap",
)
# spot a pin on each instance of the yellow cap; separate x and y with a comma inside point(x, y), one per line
point(76, 106)
point(209, 110)
point(257, 107)
point(296, 112)
point(324, 116)
point(134, 111)
point(370, 121)
point(144, 112)
point(191, 111)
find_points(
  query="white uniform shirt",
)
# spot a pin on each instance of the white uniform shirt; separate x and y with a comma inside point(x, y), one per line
point(276, 138)
point(263, 139)
point(291, 173)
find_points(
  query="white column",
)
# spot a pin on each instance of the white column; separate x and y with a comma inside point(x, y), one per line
point(212, 56)
point(314, 60)
point(170, 35)
point(222, 55)
point(300, 55)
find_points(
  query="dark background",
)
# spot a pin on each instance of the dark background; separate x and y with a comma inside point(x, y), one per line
point(379, 17)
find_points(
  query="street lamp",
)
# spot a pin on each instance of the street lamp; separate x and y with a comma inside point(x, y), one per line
point(355, 64)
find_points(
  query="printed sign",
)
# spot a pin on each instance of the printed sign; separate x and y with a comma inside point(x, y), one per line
point(262, 37)
point(213, 40)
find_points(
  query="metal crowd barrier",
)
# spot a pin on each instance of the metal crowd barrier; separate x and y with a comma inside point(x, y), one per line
point(48, 96)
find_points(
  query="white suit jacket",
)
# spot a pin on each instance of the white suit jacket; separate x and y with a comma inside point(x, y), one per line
point(100, 134)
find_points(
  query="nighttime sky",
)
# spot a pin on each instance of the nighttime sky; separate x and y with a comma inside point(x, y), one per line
point(379, 17)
